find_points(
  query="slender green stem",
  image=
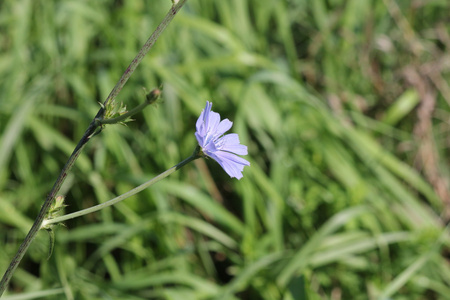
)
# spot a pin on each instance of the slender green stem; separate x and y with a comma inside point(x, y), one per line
point(121, 197)
point(86, 137)
point(45, 207)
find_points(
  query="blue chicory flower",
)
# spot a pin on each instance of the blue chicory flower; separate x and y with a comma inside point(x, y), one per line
point(221, 148)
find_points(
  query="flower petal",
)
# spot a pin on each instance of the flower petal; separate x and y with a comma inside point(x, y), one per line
point(230, 143)
point(223, 127)
point(202, 118)
point(232, 157)
point(232, 164)
point(199, 138)
point(206, 125)
point(211, 126)
point(232, 169)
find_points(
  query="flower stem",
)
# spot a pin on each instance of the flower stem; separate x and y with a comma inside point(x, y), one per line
point(121, 197)
point(86, 137)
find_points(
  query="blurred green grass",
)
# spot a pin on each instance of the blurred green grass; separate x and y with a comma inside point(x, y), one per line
point(344, 106)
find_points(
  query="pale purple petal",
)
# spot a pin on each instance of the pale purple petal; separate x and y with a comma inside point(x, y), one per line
point(206, 113)
point(236, 149)
point(212, 122)
point(209, 148)
point(202, 119)
point(230, 143)
point(224, 126)
point(199, 138)
point(232, 157)
point(232, 164)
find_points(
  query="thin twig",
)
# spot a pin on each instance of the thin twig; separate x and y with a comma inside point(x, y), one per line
point(150, 99)
point(147, 46)
point(87, 135)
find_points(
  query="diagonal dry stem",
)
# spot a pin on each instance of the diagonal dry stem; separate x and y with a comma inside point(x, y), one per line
point(86, 137)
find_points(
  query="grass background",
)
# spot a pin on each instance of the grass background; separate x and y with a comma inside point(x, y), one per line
point(344, 106)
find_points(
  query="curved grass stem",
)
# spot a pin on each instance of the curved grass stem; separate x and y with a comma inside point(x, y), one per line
point(121, 197)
